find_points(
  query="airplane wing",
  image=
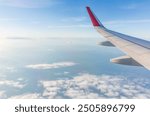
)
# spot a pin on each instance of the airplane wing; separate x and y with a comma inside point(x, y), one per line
point(137, 50)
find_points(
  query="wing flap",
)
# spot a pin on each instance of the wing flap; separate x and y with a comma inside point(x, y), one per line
point(125, 60)
point(106, 43)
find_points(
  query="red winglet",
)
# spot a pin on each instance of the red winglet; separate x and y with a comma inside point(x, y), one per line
point(94, 20)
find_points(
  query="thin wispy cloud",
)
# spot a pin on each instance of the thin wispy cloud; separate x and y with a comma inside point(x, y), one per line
point(11, 69)
point(128, 21)
point(130, 7)
point(10, 19)
point(74, 19)
point(70, 26)
point(51, 50)
point(76, 22)
point(19, 38)
point(51, 66)
point(28, 3)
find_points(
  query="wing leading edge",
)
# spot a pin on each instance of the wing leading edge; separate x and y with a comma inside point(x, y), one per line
point(137, 50)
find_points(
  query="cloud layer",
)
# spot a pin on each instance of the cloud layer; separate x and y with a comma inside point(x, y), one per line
point(51, 66)
point(91, 87)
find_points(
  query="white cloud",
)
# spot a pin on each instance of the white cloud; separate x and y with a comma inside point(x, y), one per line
point(11, 69)
point(51, 66)
point(11, 83)
point(92, 86)
point(65, 73)
point(10, 19)
point(28, 3)
point(20, 79)
point(27, 96)
point(2, 94)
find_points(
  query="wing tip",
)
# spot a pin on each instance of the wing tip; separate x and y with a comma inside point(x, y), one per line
point(93, 18)
point(87, 7)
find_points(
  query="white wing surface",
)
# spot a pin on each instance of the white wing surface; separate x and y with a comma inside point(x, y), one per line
point(137, 50)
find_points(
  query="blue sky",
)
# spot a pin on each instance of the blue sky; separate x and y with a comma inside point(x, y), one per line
point(68, 18)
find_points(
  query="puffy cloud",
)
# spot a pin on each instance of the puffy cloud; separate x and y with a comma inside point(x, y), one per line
point(51, 66)
point(87, 86)
point(2, 94)
point(27, 96)
point(92, 86)
point(11, 83)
